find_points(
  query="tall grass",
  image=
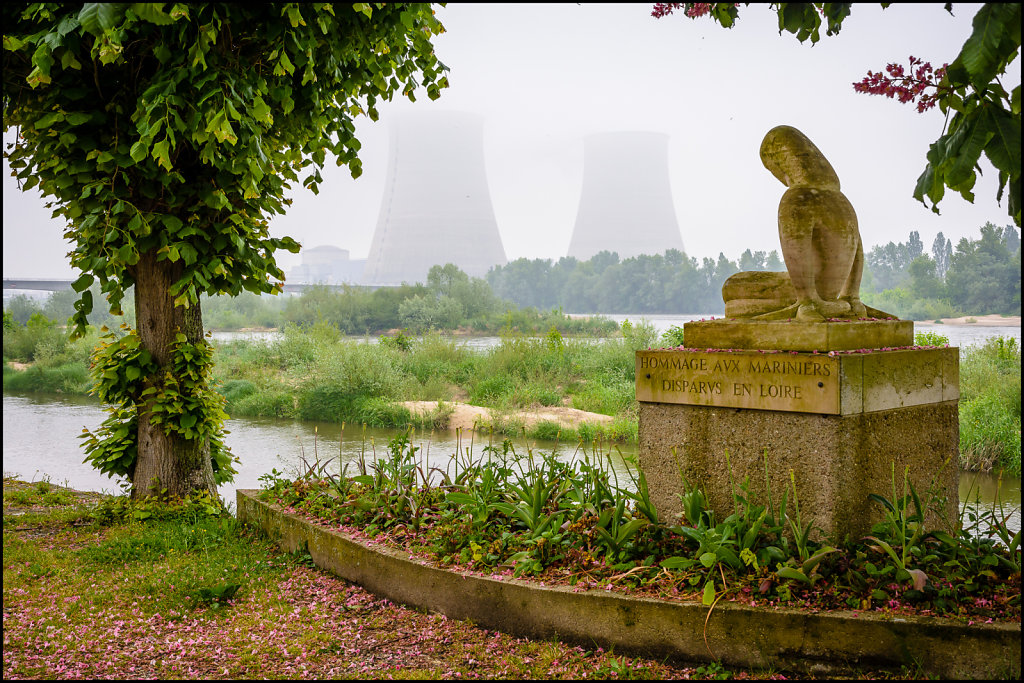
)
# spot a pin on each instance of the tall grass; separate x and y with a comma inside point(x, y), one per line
point(990, 405)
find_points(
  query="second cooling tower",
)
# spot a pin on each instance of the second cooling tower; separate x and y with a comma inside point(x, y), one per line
point(437, 206)
point(626, 202)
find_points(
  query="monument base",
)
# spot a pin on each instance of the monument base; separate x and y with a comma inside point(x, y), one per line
point(836, 460)
point(845, 424)
point(791, 335)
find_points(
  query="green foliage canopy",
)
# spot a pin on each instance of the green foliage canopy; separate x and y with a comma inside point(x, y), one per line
point(982, 117)
point(177, 129)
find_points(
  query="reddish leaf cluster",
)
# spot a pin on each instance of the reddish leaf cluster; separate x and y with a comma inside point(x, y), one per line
point(663, 9)
point(690, 9)
point(906, 85)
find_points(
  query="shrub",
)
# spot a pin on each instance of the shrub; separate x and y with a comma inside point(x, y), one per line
point(494, 390)
point(67, 378)
point(929, 338)
point(546, 430)
point(266, 403)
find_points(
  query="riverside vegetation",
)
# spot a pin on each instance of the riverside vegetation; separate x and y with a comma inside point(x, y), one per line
point(100, 587)
point(314, 372)
point(574, 523)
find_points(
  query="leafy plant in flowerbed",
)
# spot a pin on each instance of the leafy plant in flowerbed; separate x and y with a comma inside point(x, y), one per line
point(571, 522)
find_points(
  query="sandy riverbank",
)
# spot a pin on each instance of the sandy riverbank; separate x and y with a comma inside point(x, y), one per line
point(466, 416)
point(980, 321)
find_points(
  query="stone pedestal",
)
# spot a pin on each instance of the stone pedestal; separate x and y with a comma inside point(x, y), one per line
point(842, 422)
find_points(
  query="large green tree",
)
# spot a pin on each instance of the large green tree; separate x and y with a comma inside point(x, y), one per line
point(981, 116)
point(166, 135)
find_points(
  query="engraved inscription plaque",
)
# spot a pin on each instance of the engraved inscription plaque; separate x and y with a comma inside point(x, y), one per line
point(792, 382)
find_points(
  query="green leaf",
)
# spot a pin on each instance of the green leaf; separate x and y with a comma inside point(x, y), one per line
point(162, 53)
point(97, 17)
point(795, 574)
point(83, 283)
point(709, 594)
point(677, 563)
point(990, 45)
point(48, 120)
point(965, 147)
point(153, 13)
point(162, 154)
point(1003, 150)
point(791, 17)
point(261, 111)
point(139, 151)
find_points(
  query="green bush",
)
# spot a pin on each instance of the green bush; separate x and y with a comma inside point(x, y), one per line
point(236, 389)
point(930, 338)
point(67, 378)
point(38, 336)
point(494, 390)
point(537, 392)
point(546, 430)
point(265, 403)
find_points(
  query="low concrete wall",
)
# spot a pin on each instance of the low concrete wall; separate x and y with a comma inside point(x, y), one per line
point(737, 636)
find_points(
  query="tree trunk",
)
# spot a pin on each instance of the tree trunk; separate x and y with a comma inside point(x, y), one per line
point(166, 461)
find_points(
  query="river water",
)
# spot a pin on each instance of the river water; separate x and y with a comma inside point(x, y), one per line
point(41, 442)
point(959, 335)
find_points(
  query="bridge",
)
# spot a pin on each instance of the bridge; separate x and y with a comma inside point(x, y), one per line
point(61, 285)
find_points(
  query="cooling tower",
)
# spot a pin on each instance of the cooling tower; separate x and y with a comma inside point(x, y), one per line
point(626, 203)
point(436, 207)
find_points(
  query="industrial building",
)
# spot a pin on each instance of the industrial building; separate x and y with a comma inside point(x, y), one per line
point(327, 265)
point(436, 207)
point(626, 202)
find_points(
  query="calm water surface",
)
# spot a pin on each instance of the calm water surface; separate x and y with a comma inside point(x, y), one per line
point(959, 335)
point(40, 442)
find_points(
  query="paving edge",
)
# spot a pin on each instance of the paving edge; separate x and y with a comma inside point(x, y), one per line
point(738, 636)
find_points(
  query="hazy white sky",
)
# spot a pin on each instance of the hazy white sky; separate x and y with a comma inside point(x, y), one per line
point(544, 76)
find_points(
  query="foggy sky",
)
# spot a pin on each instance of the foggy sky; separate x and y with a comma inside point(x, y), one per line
point(545, 76)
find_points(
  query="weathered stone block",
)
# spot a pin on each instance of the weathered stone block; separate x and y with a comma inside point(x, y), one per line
point(850, 425)
point(836, 460)
point(792, 335)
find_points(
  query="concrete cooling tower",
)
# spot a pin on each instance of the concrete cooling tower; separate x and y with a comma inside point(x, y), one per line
point(626, 203)
point(436, 207)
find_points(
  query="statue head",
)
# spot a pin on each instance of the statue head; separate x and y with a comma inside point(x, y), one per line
point(795, 161)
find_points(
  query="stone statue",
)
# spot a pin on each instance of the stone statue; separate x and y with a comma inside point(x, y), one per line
point(820, 243)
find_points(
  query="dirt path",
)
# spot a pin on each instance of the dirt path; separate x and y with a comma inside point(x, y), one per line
point(466, 416)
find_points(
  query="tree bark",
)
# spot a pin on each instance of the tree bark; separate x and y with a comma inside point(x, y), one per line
point(166, 462)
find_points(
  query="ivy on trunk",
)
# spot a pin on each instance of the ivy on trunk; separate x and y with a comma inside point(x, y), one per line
point(166, 135)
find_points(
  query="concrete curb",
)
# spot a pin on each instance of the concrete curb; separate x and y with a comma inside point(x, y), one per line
point(738, 636)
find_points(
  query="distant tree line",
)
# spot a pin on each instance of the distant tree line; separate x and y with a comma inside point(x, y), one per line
point(977, 277)
point(980, 276)
point(449, 300)
point(662, 283)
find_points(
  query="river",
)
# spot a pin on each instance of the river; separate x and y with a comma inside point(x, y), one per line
point(41, 442)
point(958, 335)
